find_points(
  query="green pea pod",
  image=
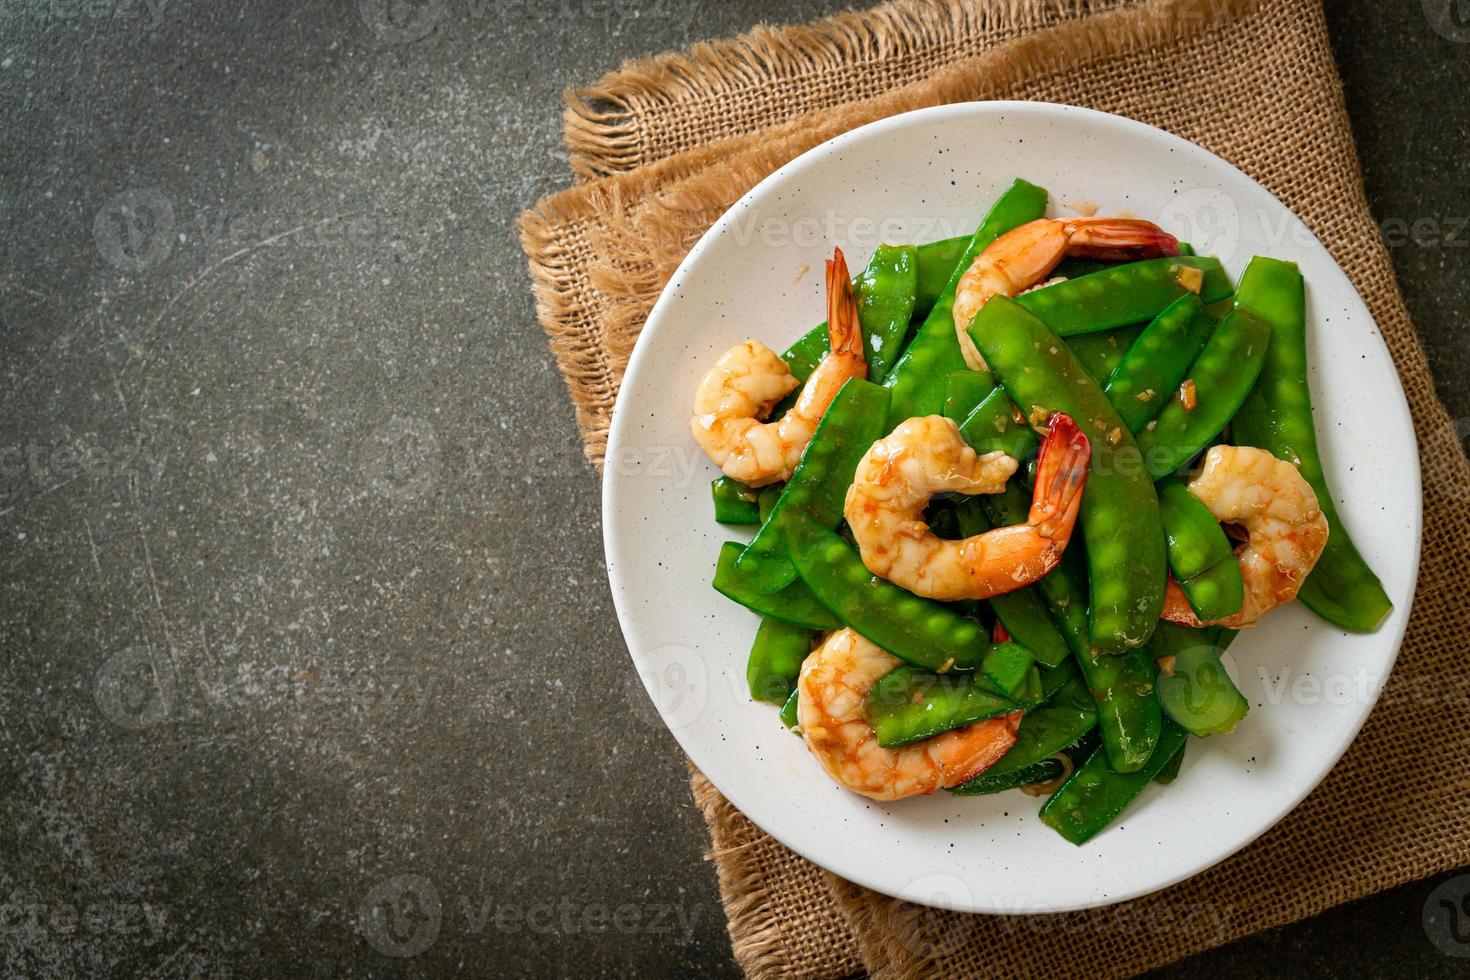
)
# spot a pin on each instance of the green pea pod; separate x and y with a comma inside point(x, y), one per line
point(1196, 542)
point(1127, 710)
point(1045, 731)
point(767, 501)
point(775, 659)
point(1277, 417)
point(803, 356)
point(936, 262)
point(919, 631)
point(1158, 361)
point(1063, 590)
point(990, 782)
point(993, 426)
point(886, 293)
point(1022, 612)
point(1200, 555)
point(918, 378)
point(1216, 593)
point(1194, 689)
point(735, 503)
point(1170, 772)
point(964, 391)
point(1133, 292)
point(789, 711)
point(1095, 795)
point(1120, 513)
point(908, 705)
point(818, 486)
point(1009, 667)
point(1024, 615)
point(1221, 378)
point(1053, 679)
point(1102, 352)
point(793, 604)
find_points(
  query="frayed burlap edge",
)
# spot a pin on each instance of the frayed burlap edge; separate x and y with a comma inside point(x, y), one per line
point(602, 121)
point(642, 218)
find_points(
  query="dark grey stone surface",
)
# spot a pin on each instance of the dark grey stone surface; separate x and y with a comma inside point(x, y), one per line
point(303, 606)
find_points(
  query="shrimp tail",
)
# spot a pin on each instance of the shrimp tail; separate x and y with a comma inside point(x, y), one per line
point(843, 329)
point(1119, 239)
point(1061, 475)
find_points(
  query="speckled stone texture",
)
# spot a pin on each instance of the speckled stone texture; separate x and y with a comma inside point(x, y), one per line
point(307, 661)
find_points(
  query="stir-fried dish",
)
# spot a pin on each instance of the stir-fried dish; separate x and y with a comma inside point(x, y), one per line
point(1015, 497)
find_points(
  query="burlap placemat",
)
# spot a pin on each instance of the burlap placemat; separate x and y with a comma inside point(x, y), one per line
point(681, 137)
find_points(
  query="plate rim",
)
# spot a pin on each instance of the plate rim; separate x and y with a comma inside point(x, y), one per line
point(620, 421)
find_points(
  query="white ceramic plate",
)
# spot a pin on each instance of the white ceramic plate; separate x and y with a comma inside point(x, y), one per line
point(758, 273)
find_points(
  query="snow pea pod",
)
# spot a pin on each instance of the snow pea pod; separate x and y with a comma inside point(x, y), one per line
point(1127, 710)
point(1120, 513)
point(1195, 692)
point(1064, 589)
point(818, 486)
point(1101, 352)
point(993, 426)
point(1133, 292)
point(908, 705)
point(1022, 612)
point(886, 293)
point(991, 782)
point(1010, 668)
point(767, 501)
point(918, 378)
point(964, 391)
point(1277, 417)
point(794, 604)
point(775, 659)
point(789, 711)
point(803, 356)
point(918, 631)
point(1025, 616)
point(1095, 795)
point(1219, 381)
point(1200, 555)
point(1152, 368)
point(735, 503)
point(1067, 716)
point(1170, 772)
point(936, 262)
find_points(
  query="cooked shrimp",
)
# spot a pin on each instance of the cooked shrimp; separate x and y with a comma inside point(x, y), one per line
point(1285, 529)
point(750, 378)
point(925, 456)
point(1024, 256)
point(831, 692)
